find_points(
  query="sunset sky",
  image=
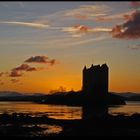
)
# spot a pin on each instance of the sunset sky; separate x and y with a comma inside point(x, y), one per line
point(45, 45)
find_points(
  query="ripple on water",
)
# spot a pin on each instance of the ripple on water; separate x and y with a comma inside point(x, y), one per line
point(44, 129)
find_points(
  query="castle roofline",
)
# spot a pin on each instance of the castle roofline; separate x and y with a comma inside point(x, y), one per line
point(84, 68)
point(104, 65)
point(96, 66)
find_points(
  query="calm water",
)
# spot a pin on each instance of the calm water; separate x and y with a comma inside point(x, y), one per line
point(58, 112)
point(62, 112)
point(52, 111)
point(130, 108)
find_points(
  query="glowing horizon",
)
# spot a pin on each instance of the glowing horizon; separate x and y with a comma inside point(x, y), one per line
point(42, 50)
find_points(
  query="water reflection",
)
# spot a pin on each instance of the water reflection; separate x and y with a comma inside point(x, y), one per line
point(51, 129)
point(65, 112)
point(90, 112)
point(43, 129)
point(34, 109)
point(130, 108)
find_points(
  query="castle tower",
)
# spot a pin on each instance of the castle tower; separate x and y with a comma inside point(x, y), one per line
point(95, 80)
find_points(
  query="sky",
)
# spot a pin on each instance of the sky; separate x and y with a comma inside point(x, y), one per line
point(45, 45)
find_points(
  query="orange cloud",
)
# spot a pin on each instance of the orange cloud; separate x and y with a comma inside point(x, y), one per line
point(15, 73)
point(18, 71)
point(79, 30)
point(117, 30)
point(130, 29)
point(52, 62)
point(24, 67)
point(37, 59)
point(40, 59)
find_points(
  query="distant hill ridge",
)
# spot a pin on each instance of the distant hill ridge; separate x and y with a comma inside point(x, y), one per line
point(127, 95)
point(17, 94)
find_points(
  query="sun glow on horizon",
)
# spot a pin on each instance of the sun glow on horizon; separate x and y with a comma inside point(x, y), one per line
point(45, 49)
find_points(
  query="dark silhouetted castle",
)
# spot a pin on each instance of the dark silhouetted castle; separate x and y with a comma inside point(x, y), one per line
point(94, 97)
point(95, 80)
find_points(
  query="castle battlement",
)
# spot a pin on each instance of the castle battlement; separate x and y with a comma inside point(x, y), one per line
point(95, 80)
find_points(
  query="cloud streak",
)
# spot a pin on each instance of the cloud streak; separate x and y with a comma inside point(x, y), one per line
point(80, 30)
point(86, 12)
point(134, 47)
point(26, 24)
point(89, 40)
point(135, 4)
point(121, 16)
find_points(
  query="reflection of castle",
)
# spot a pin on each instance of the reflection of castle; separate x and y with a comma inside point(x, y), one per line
point(95, 80)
